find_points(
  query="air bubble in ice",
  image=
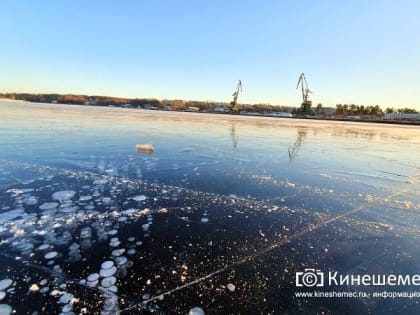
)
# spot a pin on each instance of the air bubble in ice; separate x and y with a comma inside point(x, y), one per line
point(86, 232)
point(4, 284)
point(196, 311)
point(31, 201)
point(114, 243)
point(100, 182)
point(66, 298)
point(92, 284)
point(44, 290)
point(85, 198)
point(63, 195)
point(5, 309)
point(113, 289)
point(122, 219)
point(112, 232)
point(139, 198)
point(107, 264)
point(74, 247)
point(118, 252)
point(108, 272)
point(67, 308)
point(93, 277)
point(50, 255)
point(48, 206)
point(121, 260)
point(43, 247)
point(108, 282)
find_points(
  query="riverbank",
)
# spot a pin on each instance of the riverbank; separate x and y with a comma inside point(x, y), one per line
point(254, 114)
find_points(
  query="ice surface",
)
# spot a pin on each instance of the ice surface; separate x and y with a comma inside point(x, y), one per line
point(267, 216)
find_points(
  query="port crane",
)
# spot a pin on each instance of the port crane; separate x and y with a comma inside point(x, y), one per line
point(234, 104)
point(306, 103)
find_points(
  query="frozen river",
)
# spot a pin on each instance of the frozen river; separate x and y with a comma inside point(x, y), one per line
point(218, 219)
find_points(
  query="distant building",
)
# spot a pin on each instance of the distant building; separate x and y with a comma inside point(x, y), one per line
point(352, 117)
point(363, 117)
point(167, 107)
point(244, 112)
point(221, 110)
point(278, 114)
point(149, 106)
point(399, 116)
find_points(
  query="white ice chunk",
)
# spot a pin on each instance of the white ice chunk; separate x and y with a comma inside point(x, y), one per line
point(231, 287)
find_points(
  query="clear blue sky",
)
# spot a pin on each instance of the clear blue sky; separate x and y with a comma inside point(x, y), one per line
point(361, 52)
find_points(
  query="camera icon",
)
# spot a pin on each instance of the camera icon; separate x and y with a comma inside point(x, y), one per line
point(310, 278)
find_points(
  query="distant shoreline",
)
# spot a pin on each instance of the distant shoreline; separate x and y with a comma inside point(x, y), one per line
point(317, 118)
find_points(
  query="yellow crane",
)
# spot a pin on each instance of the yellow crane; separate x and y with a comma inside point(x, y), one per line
point(234, 104)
